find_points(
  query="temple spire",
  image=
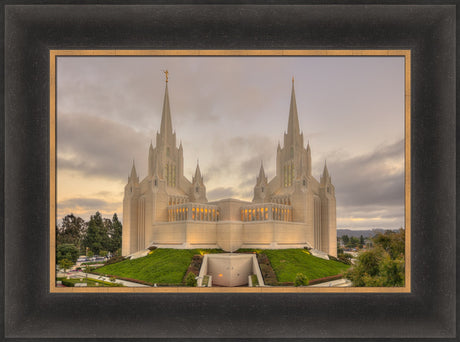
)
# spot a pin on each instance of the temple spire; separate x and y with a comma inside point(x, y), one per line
point(133, 176)
point(133, 170)
point(262, 171)
point(166, 123)
point(198, 176)
point(261, 179)
point(325, 177)
point(293, 123)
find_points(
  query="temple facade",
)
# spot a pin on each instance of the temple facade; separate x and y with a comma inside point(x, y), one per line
point(166, 209)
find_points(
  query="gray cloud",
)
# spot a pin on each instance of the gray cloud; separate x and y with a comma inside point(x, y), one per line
point(374, 178)
point(219, 193)
point(240, 158)
point(86, 203)
point(99, 147)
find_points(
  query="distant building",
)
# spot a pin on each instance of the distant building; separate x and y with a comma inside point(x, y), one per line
point(166, 209)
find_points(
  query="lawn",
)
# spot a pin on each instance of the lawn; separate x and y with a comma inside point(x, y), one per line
point(168, 266)
point(162, 266)
point(288, 262)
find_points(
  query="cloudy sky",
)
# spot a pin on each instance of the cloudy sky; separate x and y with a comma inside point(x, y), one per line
point(230, 113)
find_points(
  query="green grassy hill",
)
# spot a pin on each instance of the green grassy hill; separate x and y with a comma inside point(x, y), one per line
point(164, 265)
point(288, 262)
point(168, 266)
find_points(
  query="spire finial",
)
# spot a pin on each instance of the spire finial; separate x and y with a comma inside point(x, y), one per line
point(166, 72)
point(292, 79)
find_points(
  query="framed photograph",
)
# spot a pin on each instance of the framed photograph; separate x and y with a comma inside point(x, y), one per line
point(276, 225)
point(170, 116)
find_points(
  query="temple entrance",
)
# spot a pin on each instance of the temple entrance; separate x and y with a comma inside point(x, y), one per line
point(230, 269)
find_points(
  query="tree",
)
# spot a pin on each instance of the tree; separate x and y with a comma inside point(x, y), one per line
point(70, 231)
point(345, 240)
point(67, 251)
point(115, 234)
point(383, 265)
point(65, 264)
point(96, 235)
point(353, 242)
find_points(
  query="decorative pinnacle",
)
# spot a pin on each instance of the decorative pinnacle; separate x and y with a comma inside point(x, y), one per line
point(166, 72)
point(292, 79)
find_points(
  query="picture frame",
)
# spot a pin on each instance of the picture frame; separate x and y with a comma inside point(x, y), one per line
point(33, 312)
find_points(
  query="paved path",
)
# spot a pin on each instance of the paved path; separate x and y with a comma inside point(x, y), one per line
point(99, 277)
point(334, 283)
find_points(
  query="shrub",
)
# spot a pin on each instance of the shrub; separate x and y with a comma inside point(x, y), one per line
point(114, 260)
point(300, 280)
point(68, 283)
point(190, 280)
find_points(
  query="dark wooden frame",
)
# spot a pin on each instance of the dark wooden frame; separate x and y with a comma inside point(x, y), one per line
point(31, 312)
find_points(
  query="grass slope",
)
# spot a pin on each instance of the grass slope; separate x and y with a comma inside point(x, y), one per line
point(168, 266)
point(288, 262)
point(163, 266)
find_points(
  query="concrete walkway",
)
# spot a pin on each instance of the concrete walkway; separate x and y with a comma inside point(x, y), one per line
point(334, 283)
point(99, 277)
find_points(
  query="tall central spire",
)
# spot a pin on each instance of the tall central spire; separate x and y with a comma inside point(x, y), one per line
point(166, 124)
point(293, 124)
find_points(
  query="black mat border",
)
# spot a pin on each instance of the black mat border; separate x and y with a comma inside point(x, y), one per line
point(32, 313)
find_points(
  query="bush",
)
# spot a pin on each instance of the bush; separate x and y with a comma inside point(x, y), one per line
point(268, 274)
point(345, 258)
point(300, 280)
point(67, 283)
point(190, 280)
point(114, 260)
